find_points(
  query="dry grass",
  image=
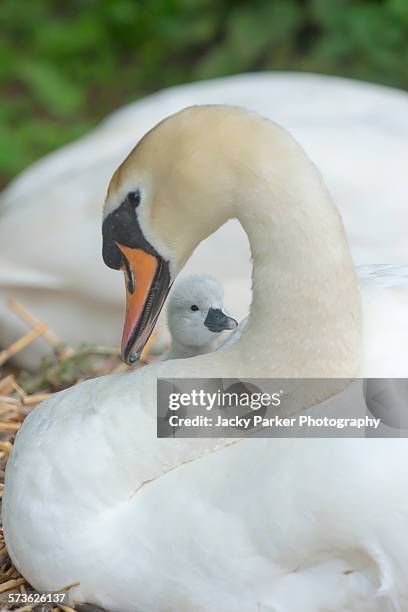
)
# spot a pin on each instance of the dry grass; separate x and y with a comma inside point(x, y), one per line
point(20, 392)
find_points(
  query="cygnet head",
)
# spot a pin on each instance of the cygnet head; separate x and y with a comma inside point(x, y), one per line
point(196, 316)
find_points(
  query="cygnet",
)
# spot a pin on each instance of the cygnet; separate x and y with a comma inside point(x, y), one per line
point(196, 317)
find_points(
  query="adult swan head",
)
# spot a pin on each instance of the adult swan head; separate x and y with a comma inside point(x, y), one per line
point(188, 176)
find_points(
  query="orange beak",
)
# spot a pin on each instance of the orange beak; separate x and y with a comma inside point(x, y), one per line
point(147, 284)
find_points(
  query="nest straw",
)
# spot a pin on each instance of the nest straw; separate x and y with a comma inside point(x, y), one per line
point(20, 393)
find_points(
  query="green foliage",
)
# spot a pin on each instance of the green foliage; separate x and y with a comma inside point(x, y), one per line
point(63, 66)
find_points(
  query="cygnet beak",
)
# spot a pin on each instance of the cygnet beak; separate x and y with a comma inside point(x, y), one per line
point(217, 321)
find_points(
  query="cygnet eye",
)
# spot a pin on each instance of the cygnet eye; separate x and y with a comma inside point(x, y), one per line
point(194, 307)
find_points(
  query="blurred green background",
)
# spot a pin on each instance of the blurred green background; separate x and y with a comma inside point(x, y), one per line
point(63, 66)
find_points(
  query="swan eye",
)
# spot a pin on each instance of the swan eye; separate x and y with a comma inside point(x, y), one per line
point(194, 307)
point(134, 197)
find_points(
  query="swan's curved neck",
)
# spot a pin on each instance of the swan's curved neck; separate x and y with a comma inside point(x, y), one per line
point(305, 317)
point(305, 312)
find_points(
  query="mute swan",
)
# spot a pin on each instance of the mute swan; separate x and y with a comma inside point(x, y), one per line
point(196, 317)
point(146, 524)
point(357, 134)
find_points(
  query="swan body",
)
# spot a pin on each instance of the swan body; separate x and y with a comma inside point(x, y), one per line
point(357, 133)
point(285, 525)
point(196, 317)
point(146, 524)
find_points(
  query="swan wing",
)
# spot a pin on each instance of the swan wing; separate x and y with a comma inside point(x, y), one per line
point(235, 335)
point(384, 292)
point(382, 276)
point(15, 275)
